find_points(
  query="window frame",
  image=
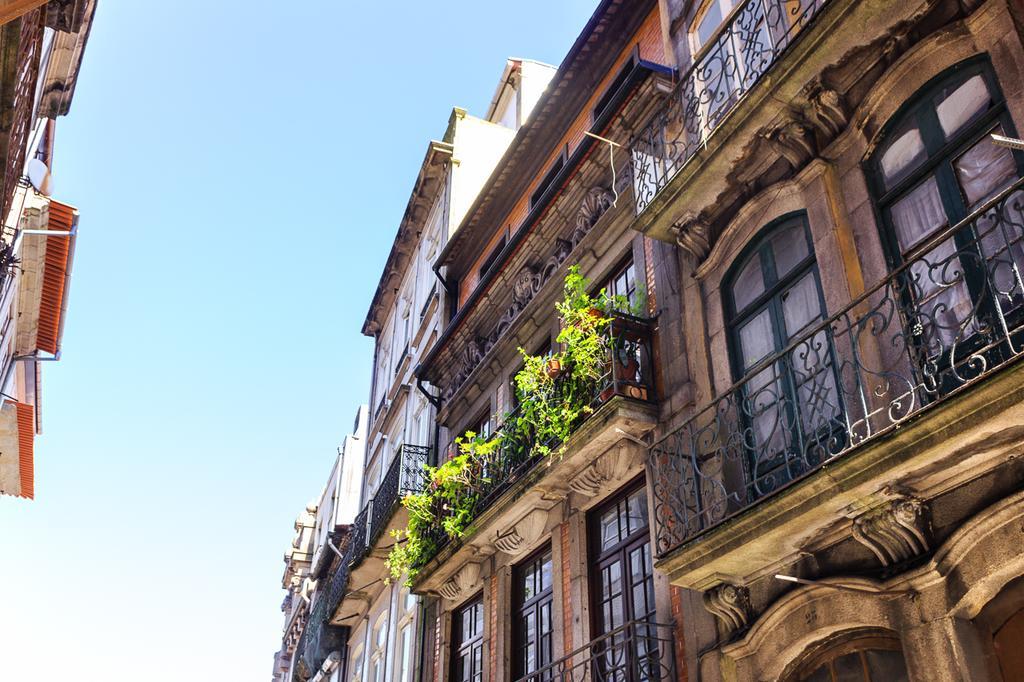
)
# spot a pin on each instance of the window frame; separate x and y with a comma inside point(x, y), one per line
point(476, 642)
point(522, 607)
point(939, 163)
point(939, 154)
point(760, 246)
point(598, 558)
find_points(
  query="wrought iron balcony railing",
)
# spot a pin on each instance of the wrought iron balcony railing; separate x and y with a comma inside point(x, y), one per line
point(728, 66)
point(405, 475)
point(950, 316)
point(628, 373)
point(639, 651)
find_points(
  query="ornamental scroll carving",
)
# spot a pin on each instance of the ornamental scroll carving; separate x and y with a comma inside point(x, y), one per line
point(528, 283)
point(730, 604)
point(462, 582)
point(523, 534)
point(693, 234)
point(895, 532)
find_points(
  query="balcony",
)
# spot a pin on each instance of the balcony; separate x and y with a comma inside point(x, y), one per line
point(950, 318)
point(639, 651)
point(729, 66)
point(628, 375)
point(405, 475)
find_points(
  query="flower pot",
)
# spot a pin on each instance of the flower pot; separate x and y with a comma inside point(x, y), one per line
point(554, 368)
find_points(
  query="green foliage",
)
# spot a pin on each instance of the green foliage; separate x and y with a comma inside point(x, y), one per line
point(551, 405)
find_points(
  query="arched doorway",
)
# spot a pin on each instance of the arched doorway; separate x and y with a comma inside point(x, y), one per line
point(1004, 619)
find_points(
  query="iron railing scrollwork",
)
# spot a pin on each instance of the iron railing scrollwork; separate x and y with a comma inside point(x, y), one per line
point(628, 373)
point(638, 651)
point(404, 476)
point(951, 315)
point(727, 67)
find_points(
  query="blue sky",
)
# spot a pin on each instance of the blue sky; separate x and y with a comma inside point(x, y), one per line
point(240, 168)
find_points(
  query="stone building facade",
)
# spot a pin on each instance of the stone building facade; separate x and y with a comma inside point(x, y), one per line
point(803, 462)
point(41, 49)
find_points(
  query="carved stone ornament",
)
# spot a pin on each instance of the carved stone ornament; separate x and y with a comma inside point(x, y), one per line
point(694, 235)
point(462, 582)
point(896, 532)
point(594, 205)
point(528, 283)
point(600, 474)
point(794, 140)
point(730, 604)
point(827, 110)
point(523, 534)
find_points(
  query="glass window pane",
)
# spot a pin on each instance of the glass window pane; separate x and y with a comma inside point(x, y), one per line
point(757, 339)
point(849, 668)
point(637, 511)
point(749, 283)
point(904, 153)
point(918, 214)
point(886, 665)
point(959, 104)
point(822, 674)
point(789, 246)
point(985, 169)
point(709, 23)
point(800, 305)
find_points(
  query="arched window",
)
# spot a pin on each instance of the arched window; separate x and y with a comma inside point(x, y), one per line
point(936, 164)
point(789, 406)
point(865, 659)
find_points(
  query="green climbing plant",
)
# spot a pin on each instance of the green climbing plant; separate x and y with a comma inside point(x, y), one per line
point(555, 391)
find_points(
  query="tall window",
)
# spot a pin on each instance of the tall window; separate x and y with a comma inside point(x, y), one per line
point(406, 633)
point(935, 165)
point(532, 626)
point(378, 659)
point(623, 588)
point(623, 290)
point(468, 642)
point(356, 669)
point(788, 407)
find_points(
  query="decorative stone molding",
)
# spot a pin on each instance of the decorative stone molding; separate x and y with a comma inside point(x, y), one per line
point(462, 582)
point(730, 604)
point(827, 109)
point(599, 474)
point(895, 532)
point(523, 534)
point(693, 234)
point(794, 140)
point(594, 205)
point(528, 283)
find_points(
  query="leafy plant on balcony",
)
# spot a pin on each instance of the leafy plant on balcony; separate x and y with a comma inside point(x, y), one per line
point(551, 405)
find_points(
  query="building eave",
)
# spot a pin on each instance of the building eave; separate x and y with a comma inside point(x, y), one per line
point(424, 192)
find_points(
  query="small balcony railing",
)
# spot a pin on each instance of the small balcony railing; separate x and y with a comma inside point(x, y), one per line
point(628, 373)
point(728, 66)
point(950, 316)
point(405, 475)
point(639, 651)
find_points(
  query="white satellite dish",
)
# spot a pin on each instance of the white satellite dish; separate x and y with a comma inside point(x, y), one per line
point(39, 176)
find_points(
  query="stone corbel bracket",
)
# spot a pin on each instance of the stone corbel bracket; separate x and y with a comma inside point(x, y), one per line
point(523, 533)
point(693, 234)
point(600, 474)
point(463, 582)
point(895, 532)
point(731, 605)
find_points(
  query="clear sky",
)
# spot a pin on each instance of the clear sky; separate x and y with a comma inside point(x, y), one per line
point(241, 167)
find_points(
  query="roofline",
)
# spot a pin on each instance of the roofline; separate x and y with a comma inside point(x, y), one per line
point(641, 70)
point(434, 149)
